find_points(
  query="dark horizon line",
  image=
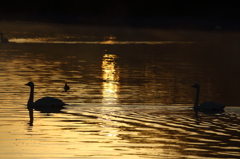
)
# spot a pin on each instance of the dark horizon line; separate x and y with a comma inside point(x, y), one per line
point(171, 22)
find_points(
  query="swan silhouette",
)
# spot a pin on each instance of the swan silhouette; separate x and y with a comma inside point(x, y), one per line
point(66, 87)
point(45, 104)
point(206, 106)
point(2, 39)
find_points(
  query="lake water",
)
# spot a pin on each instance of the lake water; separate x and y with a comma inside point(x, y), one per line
point(130, 95)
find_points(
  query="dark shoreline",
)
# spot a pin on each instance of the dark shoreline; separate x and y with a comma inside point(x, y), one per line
point(160, 22)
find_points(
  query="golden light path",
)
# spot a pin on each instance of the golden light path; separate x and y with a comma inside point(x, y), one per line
point(107, 129)
point(110, 76)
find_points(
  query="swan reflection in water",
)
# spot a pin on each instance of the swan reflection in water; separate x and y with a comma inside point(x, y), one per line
point(44, 105)
point(207, 113)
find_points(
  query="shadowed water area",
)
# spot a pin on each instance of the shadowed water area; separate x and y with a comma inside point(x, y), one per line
point(130, 92)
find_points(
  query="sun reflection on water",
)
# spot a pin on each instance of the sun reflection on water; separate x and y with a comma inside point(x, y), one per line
point(110, 76)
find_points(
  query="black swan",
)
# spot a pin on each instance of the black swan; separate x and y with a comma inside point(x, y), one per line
point(45, 104)
point(206, 106)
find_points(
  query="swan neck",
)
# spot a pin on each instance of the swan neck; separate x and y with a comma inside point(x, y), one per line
point(30, 101)
point(197, 98)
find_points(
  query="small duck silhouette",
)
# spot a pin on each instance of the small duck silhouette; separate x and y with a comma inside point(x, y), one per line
point(66, 87)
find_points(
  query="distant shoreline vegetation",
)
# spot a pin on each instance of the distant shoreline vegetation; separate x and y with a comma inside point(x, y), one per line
point(192, 15)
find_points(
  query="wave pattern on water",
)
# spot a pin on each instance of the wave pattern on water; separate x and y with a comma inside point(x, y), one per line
point(124, 131)
point(123, 96)
point(171, 132)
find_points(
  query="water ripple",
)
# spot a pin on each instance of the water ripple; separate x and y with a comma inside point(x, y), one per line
point(127, 131)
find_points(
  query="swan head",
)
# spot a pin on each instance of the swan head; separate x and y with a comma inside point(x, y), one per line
point(196, 86)
point(31, 84)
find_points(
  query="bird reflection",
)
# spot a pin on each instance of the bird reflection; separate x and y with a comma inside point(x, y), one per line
point(30, 110)
point(196, 114)
point(214, 113)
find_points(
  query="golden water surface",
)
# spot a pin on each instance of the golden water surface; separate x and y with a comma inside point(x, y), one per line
point(129, 97)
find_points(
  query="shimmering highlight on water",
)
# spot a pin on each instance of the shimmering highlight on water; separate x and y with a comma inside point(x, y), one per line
point(130, 96)
point(119, 132)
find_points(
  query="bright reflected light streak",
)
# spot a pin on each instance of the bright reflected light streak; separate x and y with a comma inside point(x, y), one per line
point(106, 42)
point(110, 76)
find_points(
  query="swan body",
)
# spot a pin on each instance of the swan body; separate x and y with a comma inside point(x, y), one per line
point(211, 105)
point(2, 39)
point(206, 106)
point(66, 87)
point(45, 104)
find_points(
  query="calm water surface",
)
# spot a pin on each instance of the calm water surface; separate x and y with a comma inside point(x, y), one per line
point(130, 96)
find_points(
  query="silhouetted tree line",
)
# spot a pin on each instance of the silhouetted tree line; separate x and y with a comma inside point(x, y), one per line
point(120, 11)
point(124, 7)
